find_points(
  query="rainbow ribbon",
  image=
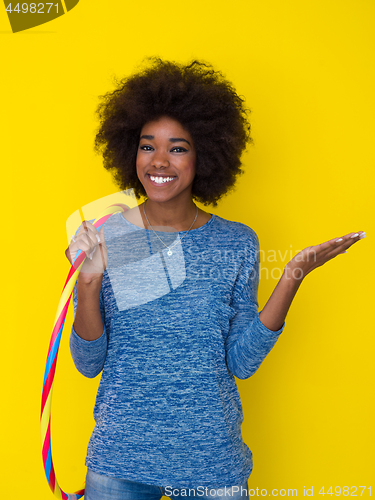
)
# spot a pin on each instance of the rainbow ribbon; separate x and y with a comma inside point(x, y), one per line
point(49, 374)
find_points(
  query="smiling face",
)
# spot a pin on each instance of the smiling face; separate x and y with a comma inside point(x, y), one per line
point(166, 161)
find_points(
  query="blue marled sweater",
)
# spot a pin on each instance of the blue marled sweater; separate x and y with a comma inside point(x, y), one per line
point(177, 329)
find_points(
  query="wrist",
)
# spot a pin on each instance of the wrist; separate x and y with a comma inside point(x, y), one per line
point(292, 277)
point(91, 285)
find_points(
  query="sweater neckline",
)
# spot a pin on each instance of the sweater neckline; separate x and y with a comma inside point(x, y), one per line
point(204, 226)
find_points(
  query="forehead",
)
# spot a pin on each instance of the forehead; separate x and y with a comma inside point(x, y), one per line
point(165, 127)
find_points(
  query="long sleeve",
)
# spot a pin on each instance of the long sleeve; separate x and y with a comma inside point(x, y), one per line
point(88, 355)
point(248, 341)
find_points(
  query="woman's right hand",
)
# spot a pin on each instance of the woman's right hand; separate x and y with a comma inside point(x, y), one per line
point(90, 241)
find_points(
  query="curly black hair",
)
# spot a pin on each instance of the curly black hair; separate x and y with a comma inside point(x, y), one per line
point(195, 95)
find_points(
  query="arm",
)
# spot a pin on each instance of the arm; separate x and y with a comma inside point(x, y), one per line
point(88, 322)
point(249, 340)
point(252, 335)
point(88, 340)
point(274, 312)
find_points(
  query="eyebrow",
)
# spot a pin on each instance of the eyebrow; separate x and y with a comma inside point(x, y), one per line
point(172, 139)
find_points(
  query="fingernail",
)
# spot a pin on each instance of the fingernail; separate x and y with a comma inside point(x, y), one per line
point(344, 251)
point(355, 235)
point(340, 239)
point(361, 236)
point(97, 237)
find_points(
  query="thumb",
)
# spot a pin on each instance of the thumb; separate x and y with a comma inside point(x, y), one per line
point(101, 234)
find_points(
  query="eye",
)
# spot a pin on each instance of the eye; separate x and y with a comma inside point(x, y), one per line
point(179, 149)
point(146, 148)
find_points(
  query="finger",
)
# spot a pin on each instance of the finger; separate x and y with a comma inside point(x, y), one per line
point(84, 242)
point(88, 232)
point(345, 242)
point(101, 240)
point(97, 237)
point(102, 256)
point(96, 262)
point(358, 235)
point(94, 239)
point(86, 247)
point(335, 246)
point(71, 253)
point(87, 239)
point(101, 234)
point(349, 239)
point(86, 227)
point(323, 248)
point(342, 241)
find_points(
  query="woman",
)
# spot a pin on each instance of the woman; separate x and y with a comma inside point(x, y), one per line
point(167, 300)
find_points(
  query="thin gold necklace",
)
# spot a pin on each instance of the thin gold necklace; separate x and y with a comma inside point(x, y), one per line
point(178, 240)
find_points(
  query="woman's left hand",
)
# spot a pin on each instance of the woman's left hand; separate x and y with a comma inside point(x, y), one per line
point(312, 257)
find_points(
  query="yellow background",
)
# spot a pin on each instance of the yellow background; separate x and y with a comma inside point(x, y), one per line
point(307, 71)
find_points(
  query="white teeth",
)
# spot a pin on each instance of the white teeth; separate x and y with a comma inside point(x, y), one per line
point(161, 180)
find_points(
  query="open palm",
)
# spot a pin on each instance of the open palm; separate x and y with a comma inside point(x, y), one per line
point(312, 257)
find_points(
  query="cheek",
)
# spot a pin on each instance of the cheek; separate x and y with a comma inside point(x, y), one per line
point(190, 167)
point(138, 167)
point(192, 170)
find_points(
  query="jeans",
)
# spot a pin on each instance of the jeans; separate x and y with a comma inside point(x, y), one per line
point(99, 487)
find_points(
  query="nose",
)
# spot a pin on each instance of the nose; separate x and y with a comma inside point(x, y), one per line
point(160, 160)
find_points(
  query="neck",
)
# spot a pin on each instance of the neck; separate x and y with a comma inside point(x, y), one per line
point(166, 217)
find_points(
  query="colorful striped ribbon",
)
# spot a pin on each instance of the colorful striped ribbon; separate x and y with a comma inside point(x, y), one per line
point(49, 374)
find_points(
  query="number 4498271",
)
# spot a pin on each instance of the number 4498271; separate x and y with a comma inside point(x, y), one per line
point(346, 491)
point(32, 8)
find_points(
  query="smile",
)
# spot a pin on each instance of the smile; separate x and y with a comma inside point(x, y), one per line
point(161, 180)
